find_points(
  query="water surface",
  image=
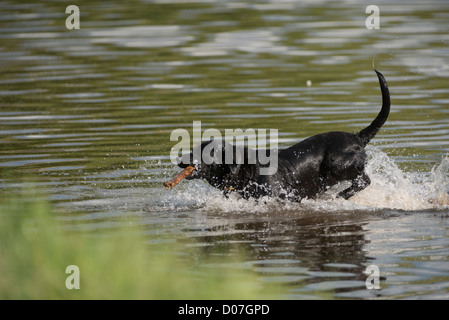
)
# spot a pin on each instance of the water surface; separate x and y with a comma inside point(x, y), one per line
point(87, 115)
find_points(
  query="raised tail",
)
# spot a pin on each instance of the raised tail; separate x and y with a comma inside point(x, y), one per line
point(369, 132)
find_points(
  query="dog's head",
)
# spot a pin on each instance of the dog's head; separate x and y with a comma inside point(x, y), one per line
point(215, 161)
point(347, 163)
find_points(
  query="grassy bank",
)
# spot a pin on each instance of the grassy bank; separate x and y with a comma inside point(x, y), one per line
point(35, 250)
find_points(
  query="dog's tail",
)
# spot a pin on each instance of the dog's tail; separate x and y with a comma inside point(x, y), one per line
point(369, 132)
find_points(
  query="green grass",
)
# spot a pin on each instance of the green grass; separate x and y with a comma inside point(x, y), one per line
point(35, 250)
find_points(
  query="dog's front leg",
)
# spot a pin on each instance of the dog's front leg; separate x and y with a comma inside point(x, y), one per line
point(358, 184)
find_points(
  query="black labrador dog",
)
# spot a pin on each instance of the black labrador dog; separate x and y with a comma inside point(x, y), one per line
point(304, 170)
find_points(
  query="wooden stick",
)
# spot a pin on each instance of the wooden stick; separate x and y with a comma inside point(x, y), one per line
point(178, 178)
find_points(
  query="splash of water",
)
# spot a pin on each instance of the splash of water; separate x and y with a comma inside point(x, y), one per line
point(391, 188)
point(394, 189)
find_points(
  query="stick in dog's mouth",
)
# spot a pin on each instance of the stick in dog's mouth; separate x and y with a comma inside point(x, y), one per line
point(179, 177)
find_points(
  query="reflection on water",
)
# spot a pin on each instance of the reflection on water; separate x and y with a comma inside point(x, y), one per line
point(87, 114)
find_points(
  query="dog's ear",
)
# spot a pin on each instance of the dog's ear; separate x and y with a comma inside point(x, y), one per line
point(234, 159)
point(212, 152)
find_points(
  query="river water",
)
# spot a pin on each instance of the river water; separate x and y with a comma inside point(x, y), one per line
point(86, 114)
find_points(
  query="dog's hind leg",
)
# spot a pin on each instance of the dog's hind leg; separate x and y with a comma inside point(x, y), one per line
point(358, 184)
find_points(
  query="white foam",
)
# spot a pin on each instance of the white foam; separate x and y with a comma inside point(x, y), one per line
point(394, 189)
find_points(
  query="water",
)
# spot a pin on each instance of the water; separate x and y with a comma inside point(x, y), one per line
point(87, 115)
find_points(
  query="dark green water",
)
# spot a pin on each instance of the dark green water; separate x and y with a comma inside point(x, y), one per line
point(87, 115)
